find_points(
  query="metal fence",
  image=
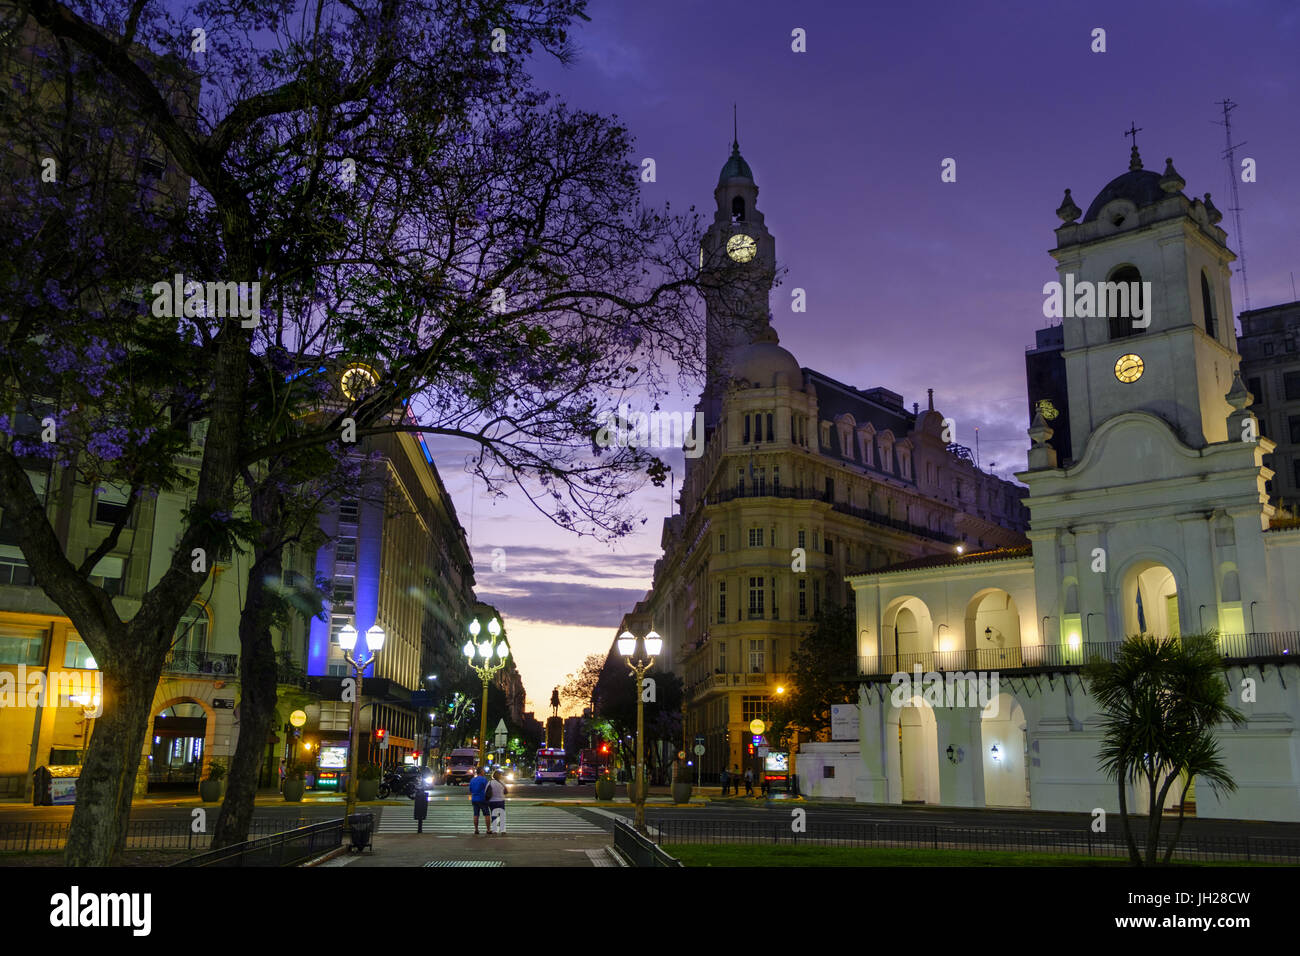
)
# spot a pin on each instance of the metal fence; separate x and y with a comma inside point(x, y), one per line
point(1082, 841)
point(26, 836)
point(280, 849)
point(639, 849)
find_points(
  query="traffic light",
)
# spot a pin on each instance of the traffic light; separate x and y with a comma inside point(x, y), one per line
point(604, 748)
point(379, 734)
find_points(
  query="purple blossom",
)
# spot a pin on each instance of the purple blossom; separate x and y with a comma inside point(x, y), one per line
point(110, 444)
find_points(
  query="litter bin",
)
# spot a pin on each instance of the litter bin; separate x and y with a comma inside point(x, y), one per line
point(55, 785)
point(361, 825)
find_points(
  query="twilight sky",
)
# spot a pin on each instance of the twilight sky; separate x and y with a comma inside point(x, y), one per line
point(911, 282)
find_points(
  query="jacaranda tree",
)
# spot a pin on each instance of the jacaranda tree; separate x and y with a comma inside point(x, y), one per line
point(367, 181)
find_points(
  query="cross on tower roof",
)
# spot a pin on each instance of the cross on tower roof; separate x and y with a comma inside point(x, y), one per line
point(1134, 160)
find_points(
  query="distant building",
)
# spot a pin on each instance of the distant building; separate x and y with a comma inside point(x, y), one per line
point(1045, 382)
point(803, 480)
point(396, 556)
point(1270, 364)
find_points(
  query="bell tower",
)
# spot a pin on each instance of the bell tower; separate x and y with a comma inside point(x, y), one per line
point(1145, 306)
point(737, 268)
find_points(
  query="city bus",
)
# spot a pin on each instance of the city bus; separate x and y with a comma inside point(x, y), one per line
point(592, 763)
point(551, 766)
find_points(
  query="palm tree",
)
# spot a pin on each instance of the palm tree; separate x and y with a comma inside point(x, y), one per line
point(1161, 699)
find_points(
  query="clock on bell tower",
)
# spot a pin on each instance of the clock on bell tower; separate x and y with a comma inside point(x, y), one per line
point(737, 267)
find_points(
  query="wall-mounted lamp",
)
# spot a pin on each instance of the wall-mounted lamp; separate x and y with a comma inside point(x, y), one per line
point(956, 756)
point(994, 753)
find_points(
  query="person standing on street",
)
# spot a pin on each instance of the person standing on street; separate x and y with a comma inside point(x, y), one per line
point(478, 798)
point(726, 782)
point(496, 803)
point(749, 781)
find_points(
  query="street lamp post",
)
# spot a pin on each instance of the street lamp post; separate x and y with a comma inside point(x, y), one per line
point(486, 670)
point(374, 644)
point(638, 664)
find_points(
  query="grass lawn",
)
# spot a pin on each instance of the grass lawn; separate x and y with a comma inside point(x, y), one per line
point(771, 855)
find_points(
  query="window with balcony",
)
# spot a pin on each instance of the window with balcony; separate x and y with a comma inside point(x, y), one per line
point(755, 537)
point(756, 657)
point(345, 549)
point(803, 538)
point(755, 598)
point(776, 480)
point(344, 594)
point(191, 636)
point(722, 657)
point(349, 510)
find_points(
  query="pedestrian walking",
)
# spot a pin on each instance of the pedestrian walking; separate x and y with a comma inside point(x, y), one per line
point(726, 782)
point(765, 786)
point(749, 781)
point(421, 808)
point(496, 802)
point(478, 798)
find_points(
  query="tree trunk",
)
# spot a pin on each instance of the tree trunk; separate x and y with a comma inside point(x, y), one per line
point(1182, 815)
point(1133, 856)
point(258, 675)
point(106, 787)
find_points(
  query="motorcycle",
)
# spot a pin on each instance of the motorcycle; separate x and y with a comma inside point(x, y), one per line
point(405, 781)
point(397, 782)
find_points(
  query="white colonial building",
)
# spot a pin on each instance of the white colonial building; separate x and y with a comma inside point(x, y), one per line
point(1158, 522)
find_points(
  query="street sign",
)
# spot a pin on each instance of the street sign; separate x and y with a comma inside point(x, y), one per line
point(762, 751)
point(699, 740)
point(756, 726)
point(383, 744)
point(699, 750)
point(298, 718)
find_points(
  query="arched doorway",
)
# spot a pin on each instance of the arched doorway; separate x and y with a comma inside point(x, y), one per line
point(1150, 601)
point(909, 634)
point(993, 631)
point(918, 752)
point(176, 754)
point(1003, 733)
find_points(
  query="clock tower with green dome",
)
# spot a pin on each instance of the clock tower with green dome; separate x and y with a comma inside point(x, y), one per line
point(737, 267)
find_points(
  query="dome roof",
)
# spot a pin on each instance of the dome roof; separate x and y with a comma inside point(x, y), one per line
point(735, 167)
point(760, 362)
point(1140, 186)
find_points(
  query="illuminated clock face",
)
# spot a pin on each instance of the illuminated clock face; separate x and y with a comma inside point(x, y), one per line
point(356, 381)
point(1047, 409)
point(1129, 368)
point(741, 248)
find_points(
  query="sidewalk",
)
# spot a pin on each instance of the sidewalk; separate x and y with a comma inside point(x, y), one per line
point(427, 849)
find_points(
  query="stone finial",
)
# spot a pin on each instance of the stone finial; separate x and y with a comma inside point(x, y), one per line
point(1068, 211)
point(1041, 454)
point(1171, 182)
point(1134, 160)
point(1212, 212)
point(1239, 396)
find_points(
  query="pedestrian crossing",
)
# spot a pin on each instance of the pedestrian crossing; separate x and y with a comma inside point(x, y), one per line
point(458, 819)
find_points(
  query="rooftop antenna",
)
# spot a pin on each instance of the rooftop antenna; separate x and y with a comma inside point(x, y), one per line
point(1235, 209)
point(735, 137)
point(977, 446)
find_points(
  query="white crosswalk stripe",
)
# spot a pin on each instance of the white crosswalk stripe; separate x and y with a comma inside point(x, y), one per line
point(459, 819)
